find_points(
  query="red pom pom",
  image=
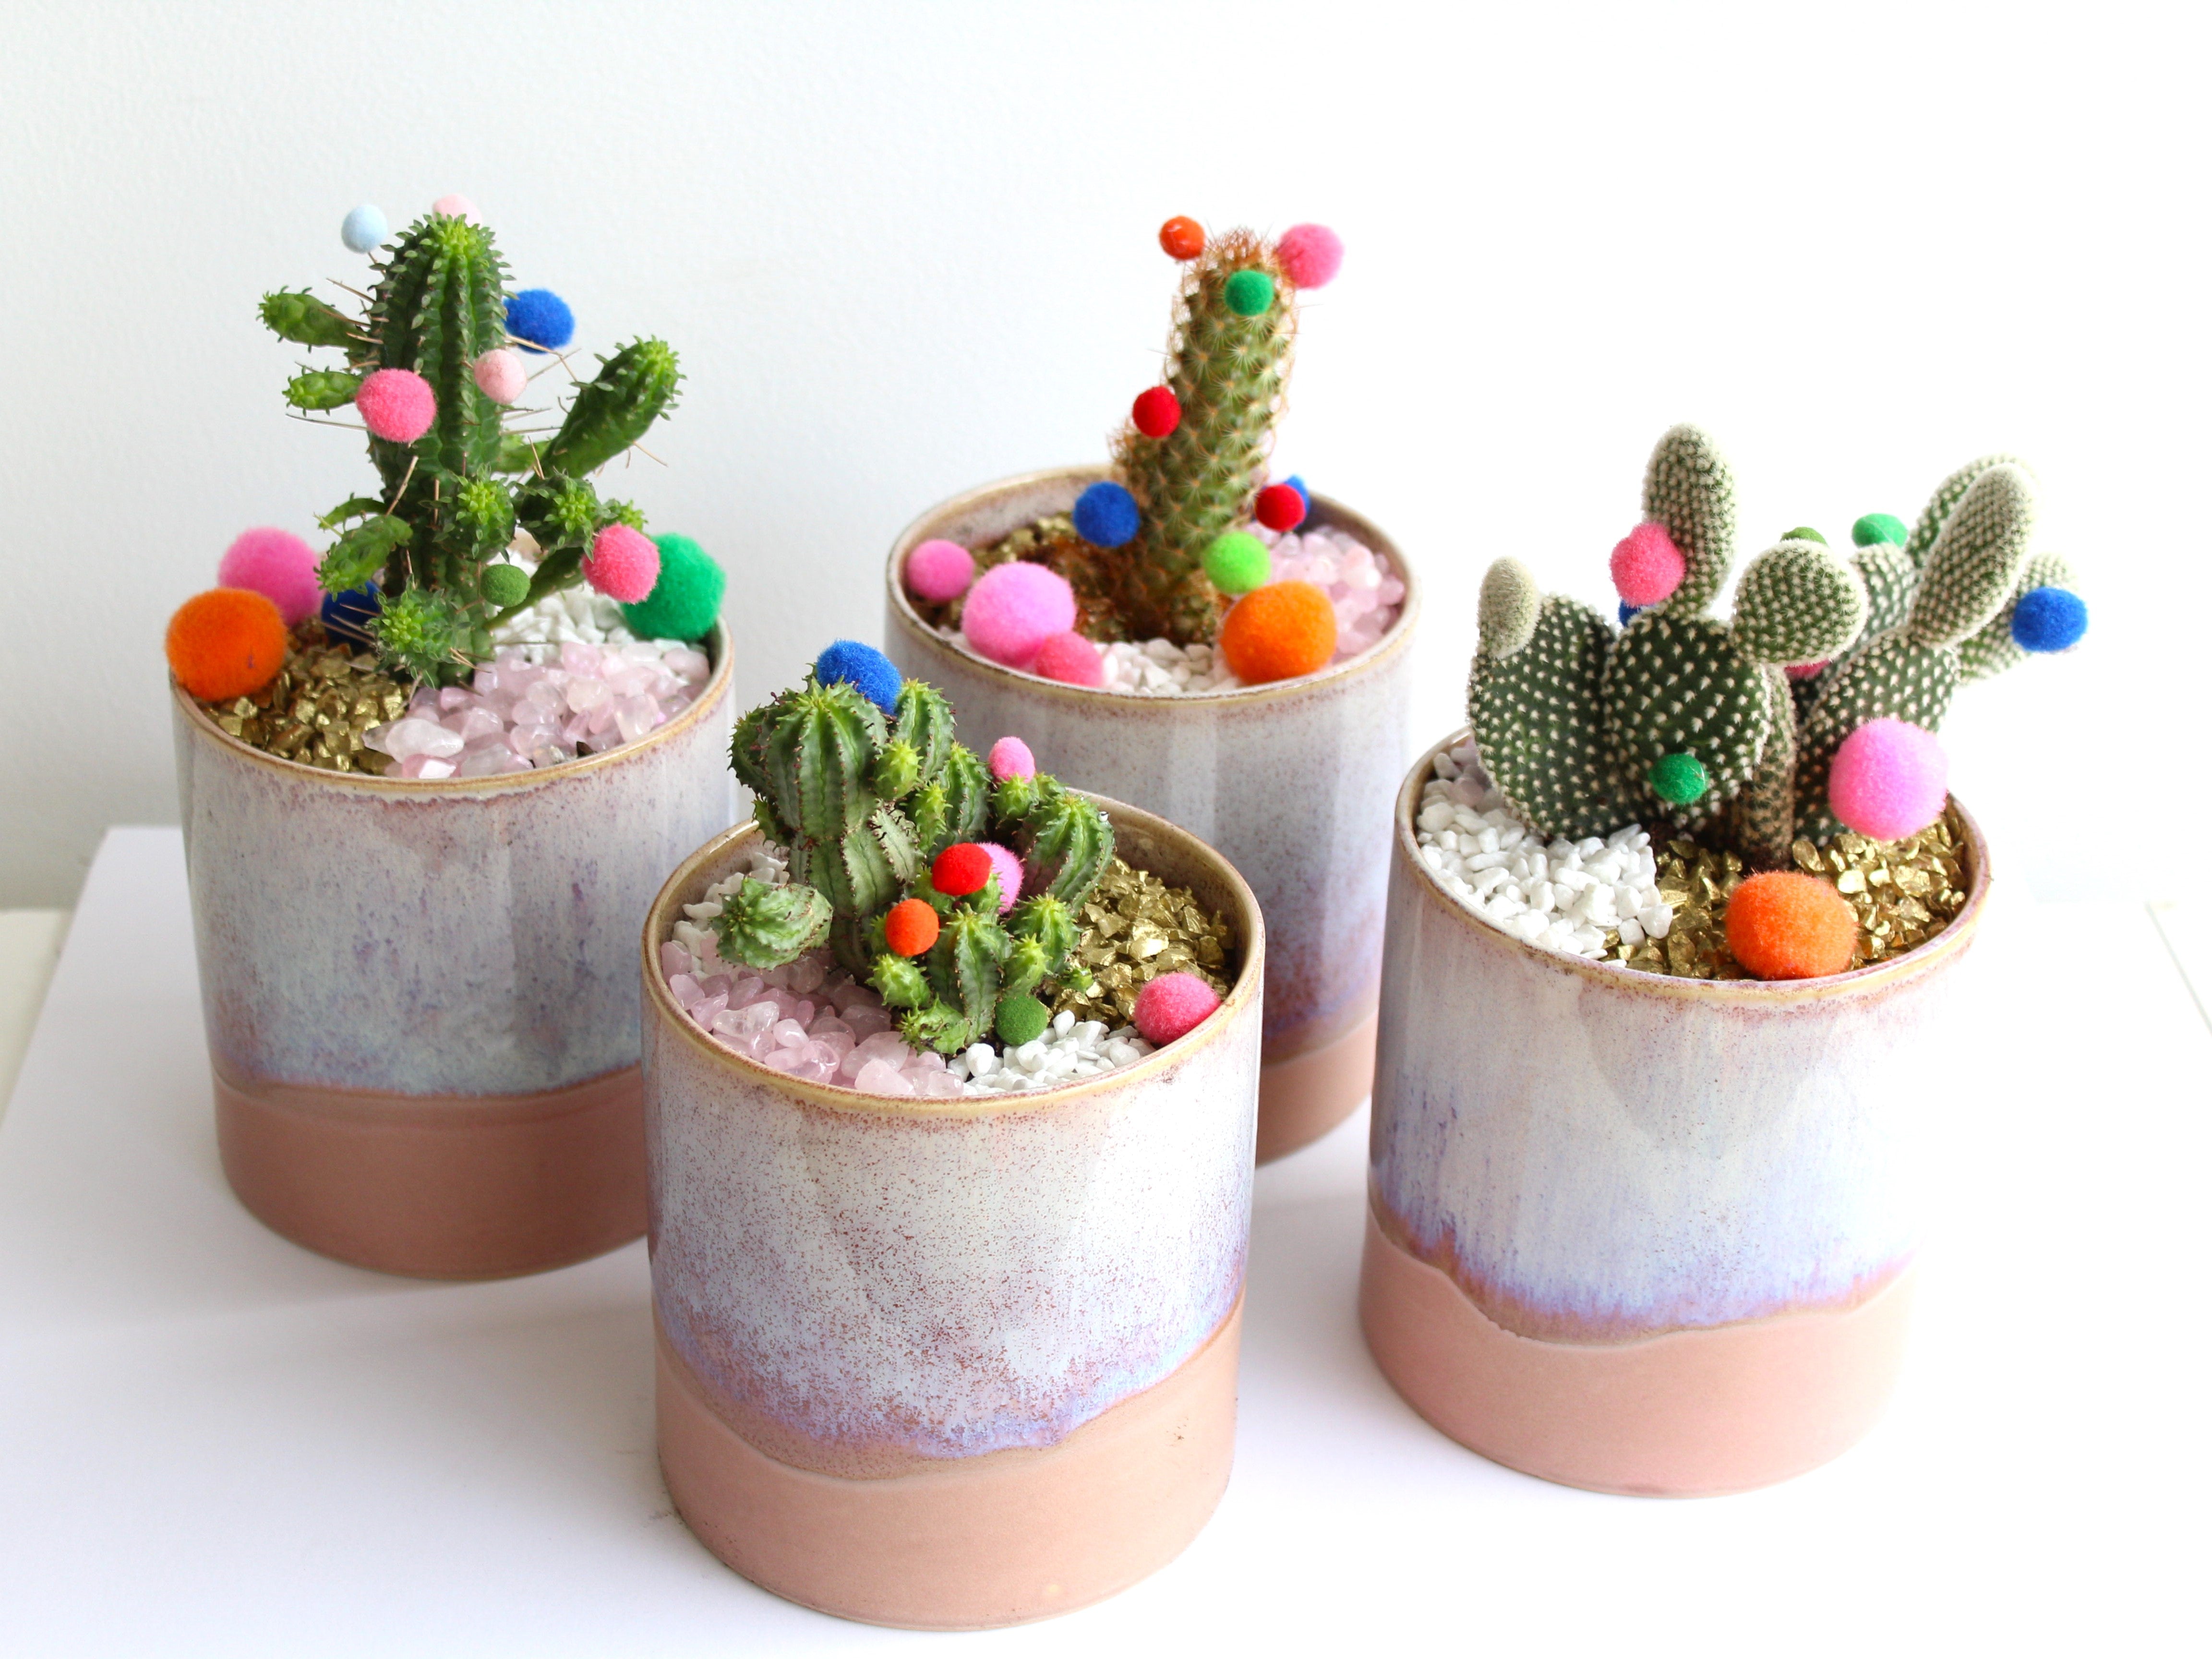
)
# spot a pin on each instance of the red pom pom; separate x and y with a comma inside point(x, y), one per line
point(1183, 237)
point(1279, 508)
point(1156, 413)
point(1172, 1006)
point(910, 928)
point(961, 869)
point(1071, 659)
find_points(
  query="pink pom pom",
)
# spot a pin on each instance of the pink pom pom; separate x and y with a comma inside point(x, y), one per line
point(1011, 759)
point(500, 375)
point(1647, 566)
point(1308, 254)
point(1888, 779)
point(396, 404)
point(939, 572)
point(1173, 1006)
point(455, 206)
point(1008, 869)
point(1013, 608)
point(623, 564)
point(278, 566)
point(1805, 671)
point(1071, 659)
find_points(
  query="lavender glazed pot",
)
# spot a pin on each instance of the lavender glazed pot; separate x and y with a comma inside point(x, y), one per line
point(1291, 782)
point(1636, 1233)
point(421, 1001)
point(951, 1363)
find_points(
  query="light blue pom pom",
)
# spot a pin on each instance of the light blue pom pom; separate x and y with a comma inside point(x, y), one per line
point(1304, 494)
point(2049, 619)
point(1106, 514)
point(540, 319)
point(365, 228)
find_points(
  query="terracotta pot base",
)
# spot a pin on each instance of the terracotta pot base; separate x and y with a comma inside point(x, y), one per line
point(440, 1186)
point(1304, 1097)
point(969, 1544)
point(1689, 1413)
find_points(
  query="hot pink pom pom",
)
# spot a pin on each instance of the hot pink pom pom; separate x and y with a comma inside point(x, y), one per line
point(1173, 1006)
point(1647, 566)
point(1008, 868)
point(277, 565)
point(1308, 254)
point(1804, 671)
point(1013, 608)
point(1888, 779)
point(940, 571)
point(500, 375)
point(455, 206)
point(623, 564)
point(1071, 659)
point(1011, 759)
point(396, 404)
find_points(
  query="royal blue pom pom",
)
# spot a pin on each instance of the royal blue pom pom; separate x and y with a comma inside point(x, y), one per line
point(365, 228)
point(541, 319)
point(1106, 515)
point(2049, 619)
point(867, 669)
point(1304, 494)
point(1628, 610)
point(346, 615)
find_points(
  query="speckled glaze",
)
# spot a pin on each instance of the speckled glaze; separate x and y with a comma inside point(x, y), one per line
point(1601, 1158)
point(1291, 782)
point(867, 1289)
point(425, 947)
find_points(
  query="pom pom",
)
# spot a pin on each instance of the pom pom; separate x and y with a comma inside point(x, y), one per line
point(961, 869)
point(365, 228)
point(863, 667)
point(1022, 1019)
point(504, 586)
point(1310, 254)
point(541, 319)
point(1629, 612)
point(1784, 925)
point(939, 572)
point(455, 206)
point(396, 404)
point(1013, 608)
point(1156, 413)
point(1647, 566)
point(1071, 659)
point(1804, 671)
point(1106, 514)
point(1304, 494)
point(1278, 632)
point(346, 615)
point(909, 928)
point(1879, 528)
point(1888, 779)
point(278, 566)
point(1172, 1006)
point(226, 642)
point(1248, 293)
point(1008, 869)
point(1183, 239)
point(686, 598)
point(1804, 532)
point(1678, 779)
point(500, 376)
point(623, 564)
point(1010, 757)
point(1236, 562)
point(1279, 508)
point(2049, 619)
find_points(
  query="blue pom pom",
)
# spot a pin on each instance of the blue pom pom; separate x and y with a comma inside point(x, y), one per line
point(541, 319)
point(1304, 494)
point(2049, 619)
point(1628, 610)
point(365, 228)
point(346, 615)
point(867, 669)
point(1106, 515)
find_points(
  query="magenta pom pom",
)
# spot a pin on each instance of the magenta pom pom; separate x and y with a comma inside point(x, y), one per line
point(1008, 869)
point(500, 375)
point(939, 572)
point(1013, 608)
point(1308, 254)
point(1647, 566)
point(1888, 779)
point(455, 206)
point(278, 566)
point(1011, 759)
point(1173, 1006)
point(623, 564)
point(396, 404)
point(1071, 659)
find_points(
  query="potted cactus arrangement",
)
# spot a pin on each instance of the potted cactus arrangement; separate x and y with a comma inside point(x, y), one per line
point(1674, 928)
point(431, 775)
point(951, 1082)
point(1185, 633)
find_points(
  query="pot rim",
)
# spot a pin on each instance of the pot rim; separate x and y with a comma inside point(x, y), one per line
point(1755, 993)
point(717, 683)
point(1326, 509)
point(1243, 994)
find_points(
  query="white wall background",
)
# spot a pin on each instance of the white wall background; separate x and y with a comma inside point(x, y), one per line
point(906, 248)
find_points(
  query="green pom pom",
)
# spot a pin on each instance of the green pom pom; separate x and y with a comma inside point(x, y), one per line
point(1805, 532)
point(1678, 779)
point(1237, 562)
point(1022, 1019)
point(504, 585)
point(1249, 292)
point(1879, 528)
point(685, 601)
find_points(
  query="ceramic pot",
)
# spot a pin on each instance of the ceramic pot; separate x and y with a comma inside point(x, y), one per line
point(951, 1363)
point(1643, 1234)
point(421, 997)
point(1291, 783)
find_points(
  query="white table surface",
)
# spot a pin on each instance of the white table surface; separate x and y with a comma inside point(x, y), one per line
point(213, 1441)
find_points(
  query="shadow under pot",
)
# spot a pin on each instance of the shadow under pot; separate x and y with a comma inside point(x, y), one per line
point(1643, 1234)
point(421, 995)
point(949, 1364)
point(1290, 781)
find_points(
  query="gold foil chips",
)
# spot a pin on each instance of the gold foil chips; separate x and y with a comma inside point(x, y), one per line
point(1134, 926)
point(317, 708)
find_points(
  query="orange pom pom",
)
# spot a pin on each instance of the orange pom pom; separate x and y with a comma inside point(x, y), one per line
point(1183, 237)
point(909, 928)
point(1278, 632)
point(226, 642)
point(1783, 925)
